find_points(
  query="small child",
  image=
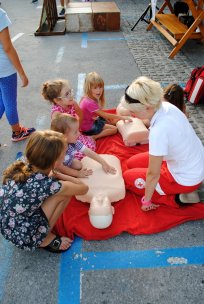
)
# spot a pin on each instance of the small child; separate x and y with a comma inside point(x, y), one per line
point(174, 94)
point(96, 122)
point(31, 201)
point(69, 126)
point(60, 95)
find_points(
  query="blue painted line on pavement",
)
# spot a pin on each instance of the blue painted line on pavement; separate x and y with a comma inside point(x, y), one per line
point(84, 40)
point(74, 261)
point(5, 261)
point(106, 39)
point(115, 87)
point(69, 277)
point(123, 86)
point(143, 258)
point(164, 84)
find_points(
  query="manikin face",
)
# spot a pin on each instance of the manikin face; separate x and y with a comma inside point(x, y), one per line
point(96, 92)
point(72, 133)
point(66, 97)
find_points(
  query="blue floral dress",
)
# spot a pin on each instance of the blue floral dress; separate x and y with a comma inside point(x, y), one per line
point(22, 220)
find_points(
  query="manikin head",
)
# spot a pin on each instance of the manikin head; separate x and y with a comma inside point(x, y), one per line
point(101, 212)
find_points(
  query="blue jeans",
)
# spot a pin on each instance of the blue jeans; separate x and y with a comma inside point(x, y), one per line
point(8, 98)
point(99, 123)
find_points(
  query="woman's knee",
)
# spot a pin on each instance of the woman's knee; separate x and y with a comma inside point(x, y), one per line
point(134, 181)
point(138, 161)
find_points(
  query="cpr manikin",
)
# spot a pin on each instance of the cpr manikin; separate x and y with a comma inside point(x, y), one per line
point(134, 132)
point(104, 189)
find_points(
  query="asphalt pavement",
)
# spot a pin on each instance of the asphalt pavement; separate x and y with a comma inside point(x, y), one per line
point(164, 268)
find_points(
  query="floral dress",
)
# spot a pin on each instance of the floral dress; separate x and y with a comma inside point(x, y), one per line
point(22, 220)
point(88, 141)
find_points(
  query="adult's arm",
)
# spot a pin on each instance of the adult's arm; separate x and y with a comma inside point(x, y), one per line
point(152, 176)
point(10, 51)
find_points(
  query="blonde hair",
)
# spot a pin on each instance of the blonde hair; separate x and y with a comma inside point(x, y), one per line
point(42, 151)
point(145, 92)
point(62, 122)
point(51, 89)
point(93, 79)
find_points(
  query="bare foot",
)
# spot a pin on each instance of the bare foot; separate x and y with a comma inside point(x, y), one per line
point(66, 243)
point(150, 207)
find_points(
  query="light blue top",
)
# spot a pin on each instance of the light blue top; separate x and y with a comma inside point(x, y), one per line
point(6, 67)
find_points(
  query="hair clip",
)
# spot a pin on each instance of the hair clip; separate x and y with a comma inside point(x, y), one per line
point(130, 99)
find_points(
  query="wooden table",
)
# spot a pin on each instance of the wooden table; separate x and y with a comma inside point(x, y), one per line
point(176, 32)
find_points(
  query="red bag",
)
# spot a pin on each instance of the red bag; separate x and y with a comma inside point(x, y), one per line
point(194, 90)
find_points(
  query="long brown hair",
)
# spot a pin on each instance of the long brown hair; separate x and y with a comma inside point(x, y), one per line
point(93, 79)
point(174, 94)
point(42, 151)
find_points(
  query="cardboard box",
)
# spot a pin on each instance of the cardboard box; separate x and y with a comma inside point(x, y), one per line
point(106, 16)
point(92, 16)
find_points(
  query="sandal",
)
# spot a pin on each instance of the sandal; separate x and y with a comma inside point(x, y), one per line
point(55, 245)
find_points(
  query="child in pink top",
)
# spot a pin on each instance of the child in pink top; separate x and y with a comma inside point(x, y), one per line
point(96, 122)
point(59, 93)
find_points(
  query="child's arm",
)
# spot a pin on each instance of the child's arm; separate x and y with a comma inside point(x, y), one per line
point(69, 189)
point(106, 167)
point(59, 175)
point(78, 111)
point(112, 118)
point(84, 172)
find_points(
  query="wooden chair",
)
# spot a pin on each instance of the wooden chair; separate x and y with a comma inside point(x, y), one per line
point(49, 24)
point(176, 32)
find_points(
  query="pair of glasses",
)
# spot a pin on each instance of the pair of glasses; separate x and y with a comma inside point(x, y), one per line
point(68, 94)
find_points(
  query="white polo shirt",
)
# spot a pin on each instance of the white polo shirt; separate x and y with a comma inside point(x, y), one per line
point(172, 136)
point(6, 67)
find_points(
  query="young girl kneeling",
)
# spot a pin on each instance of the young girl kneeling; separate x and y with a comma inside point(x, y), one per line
point(31, 200)
point(71, 166)
point(96, 122)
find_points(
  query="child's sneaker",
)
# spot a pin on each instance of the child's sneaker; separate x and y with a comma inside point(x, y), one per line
point(62, 12)
point(23, 134)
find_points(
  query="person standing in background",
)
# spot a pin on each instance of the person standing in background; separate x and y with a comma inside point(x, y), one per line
point(9, 66)
point(63, 6)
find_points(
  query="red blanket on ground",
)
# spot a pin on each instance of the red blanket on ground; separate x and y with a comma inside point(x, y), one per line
point(128, 215)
